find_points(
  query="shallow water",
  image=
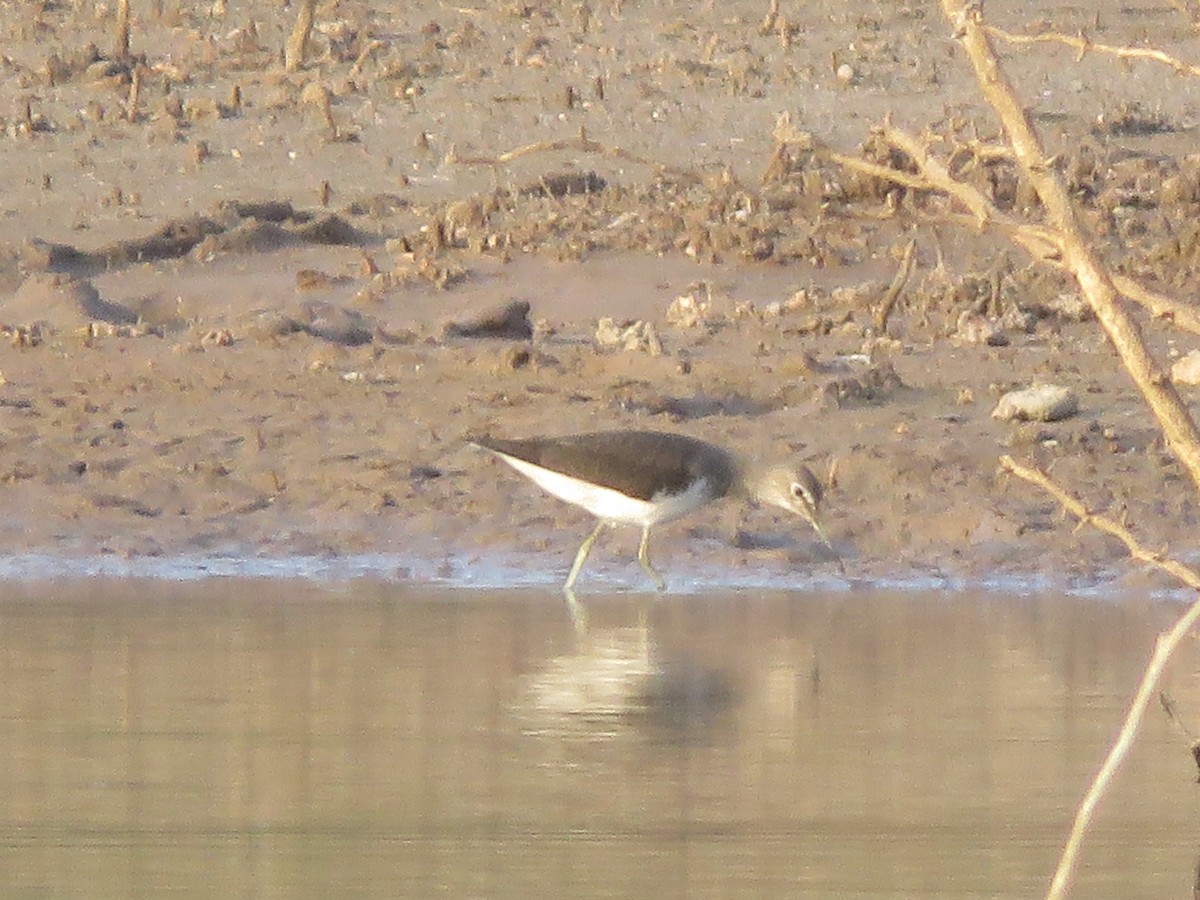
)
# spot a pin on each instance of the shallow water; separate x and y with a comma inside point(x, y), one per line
point(243, 738)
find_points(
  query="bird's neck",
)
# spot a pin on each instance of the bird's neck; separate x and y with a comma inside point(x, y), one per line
point(746, 477)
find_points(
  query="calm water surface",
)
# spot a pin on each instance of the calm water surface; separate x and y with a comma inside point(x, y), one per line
point(275, 739)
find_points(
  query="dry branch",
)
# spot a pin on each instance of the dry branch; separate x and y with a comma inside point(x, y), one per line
point(1159, 305)
point(787, 133)
point(1109, 526)
point(1042, 243)
point(1094, 281)
point(1083, 44)
point(876, 170)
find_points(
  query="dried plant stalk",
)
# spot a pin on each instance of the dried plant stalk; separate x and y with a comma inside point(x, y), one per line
point(135, 93)
point(297, 44)
point(1042, 243)
point(1075, 507)
point(884, 310)
point(121, 45)
point(582, 144)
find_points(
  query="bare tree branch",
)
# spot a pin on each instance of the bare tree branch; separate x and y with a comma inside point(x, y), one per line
point(1094, 281)
point(1084, 45)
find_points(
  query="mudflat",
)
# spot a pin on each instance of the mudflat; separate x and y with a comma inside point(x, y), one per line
point(256, 311)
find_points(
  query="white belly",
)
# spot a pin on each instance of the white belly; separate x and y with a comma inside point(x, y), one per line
point(610, 505)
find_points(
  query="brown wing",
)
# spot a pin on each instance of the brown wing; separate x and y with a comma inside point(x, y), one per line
point(639, 464)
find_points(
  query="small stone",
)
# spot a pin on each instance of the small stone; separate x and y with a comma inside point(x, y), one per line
point(973, 328)
point(629, 335)
point(687, 311)
point(510, 321)
point(201, 109)
point(516, 358)
point(104, 69)
point(217, 337)
point(1040, 403)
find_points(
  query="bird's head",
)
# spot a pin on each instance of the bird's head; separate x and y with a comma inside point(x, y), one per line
point(796, 489)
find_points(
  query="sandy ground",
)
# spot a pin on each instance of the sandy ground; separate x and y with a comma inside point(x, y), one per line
point(227, 305)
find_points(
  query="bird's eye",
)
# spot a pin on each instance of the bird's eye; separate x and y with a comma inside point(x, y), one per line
point(799, 492)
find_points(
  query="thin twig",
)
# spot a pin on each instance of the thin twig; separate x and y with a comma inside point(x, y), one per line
point(876, 170)
point(1042, 243)
point(1173, 714)
point(364, 55)
point(787, 133)
point(582, 144)
point(895, 289)
point(1075, 507)
point(1084, 44)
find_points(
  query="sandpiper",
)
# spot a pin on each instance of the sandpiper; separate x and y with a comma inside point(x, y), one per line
point(647, 477)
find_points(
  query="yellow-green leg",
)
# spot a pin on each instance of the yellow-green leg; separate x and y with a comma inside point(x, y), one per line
point(644, 559)
point(577, 612)
point(580, 558)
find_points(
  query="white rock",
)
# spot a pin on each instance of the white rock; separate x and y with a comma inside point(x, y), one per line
point(630, 336)
point(687, 311)
point(1040, 403)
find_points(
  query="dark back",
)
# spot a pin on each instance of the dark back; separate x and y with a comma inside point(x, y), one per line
point(639, 464)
